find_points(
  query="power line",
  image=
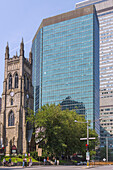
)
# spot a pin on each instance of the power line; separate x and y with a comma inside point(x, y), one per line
point(19, 46)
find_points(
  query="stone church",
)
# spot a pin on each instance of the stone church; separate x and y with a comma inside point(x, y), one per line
point(17, 97)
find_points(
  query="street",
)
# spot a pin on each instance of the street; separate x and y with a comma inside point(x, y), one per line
point(59, 168)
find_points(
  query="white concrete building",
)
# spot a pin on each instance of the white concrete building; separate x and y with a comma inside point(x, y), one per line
point(105, 15)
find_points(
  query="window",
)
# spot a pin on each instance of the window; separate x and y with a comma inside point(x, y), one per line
point(11, 101)
point(107, 109)
point(10, 81)
point(11, 119)
point(16, 80)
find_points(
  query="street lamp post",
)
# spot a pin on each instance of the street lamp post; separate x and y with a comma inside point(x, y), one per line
point(87, 153)
point(88, 143)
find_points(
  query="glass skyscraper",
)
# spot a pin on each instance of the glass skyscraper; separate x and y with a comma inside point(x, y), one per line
point(66, 61)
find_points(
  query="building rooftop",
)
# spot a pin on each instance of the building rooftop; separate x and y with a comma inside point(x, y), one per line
point(66, 16)
point(88, 2)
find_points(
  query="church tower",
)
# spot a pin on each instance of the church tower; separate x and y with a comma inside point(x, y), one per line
point(17, 96)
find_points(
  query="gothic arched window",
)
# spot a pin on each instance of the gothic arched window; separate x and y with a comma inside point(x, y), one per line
point(10, 81)
point(27, 84)
point(11, 119)
point(16, 80)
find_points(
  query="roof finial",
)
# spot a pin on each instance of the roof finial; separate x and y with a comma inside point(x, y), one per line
point(7, 44)
point(7, 51)
point(22, 48)
point(22, 40)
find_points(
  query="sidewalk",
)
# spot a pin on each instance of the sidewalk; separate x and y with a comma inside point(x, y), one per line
point(35, 166)
point(91, 166)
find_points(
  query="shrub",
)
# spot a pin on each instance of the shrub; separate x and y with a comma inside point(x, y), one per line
point(20, 156)
point(34, 155)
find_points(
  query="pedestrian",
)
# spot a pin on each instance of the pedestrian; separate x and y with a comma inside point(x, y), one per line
point(48, 158)
point(4, 162)
point(23, 162)
point(30, 162)
point(44, 161)
point(55, 161)
point(10, 161)
point(16, 162)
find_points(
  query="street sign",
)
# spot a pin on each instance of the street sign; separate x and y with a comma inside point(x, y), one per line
point(86, 138)
point(39, 151)
point(14, 150)
point(87, 156)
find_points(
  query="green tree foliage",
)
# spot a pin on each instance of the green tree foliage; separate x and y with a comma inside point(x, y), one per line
point(56, 131)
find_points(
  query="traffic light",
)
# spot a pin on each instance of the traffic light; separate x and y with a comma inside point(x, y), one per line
point(87, 147)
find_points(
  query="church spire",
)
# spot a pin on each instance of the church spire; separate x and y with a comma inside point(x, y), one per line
point(16, 54)
point(22, 48)
point(30, 56)
point(7, 52)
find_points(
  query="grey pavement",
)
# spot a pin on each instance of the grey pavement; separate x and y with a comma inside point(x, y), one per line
point(59, 168)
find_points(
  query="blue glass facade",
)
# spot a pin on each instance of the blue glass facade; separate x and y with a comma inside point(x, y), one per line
point(66, 63)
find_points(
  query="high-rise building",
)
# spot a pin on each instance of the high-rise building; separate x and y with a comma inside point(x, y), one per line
point(66, 61)
point(17, 97)
point(104, 10)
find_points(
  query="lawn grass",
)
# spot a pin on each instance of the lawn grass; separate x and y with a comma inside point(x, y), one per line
point(13, 159)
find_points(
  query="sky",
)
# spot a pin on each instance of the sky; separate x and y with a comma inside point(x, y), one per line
point(21, 18)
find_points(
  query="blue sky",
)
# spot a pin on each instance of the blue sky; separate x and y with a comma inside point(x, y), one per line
point(21, 18)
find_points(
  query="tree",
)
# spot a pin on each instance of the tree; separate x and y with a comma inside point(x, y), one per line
point(56, 131)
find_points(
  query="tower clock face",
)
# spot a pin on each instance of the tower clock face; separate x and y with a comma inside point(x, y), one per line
point(12, 93)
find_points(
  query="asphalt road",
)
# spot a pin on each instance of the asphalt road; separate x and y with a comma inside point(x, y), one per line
point(59, 168)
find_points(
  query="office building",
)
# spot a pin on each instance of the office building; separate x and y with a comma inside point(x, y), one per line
point(66, 61)
point(104, 10)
